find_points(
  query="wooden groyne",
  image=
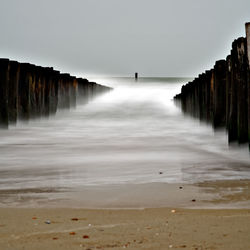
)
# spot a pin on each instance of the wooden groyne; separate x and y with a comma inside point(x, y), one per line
point(29, 91)
point(221, 96)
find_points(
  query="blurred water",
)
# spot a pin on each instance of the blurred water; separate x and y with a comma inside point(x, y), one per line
point(128, 135)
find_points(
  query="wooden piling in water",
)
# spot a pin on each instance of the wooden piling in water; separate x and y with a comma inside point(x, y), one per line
point(82, 91)
point(53, 98)
point(247, 26)
point(219, 109)
point(242, 110)
point(29, 91)
point(73, 91)
point(24, 88)
point(14, 70)
point(222, 95)
point(228, 89)
point(4, 82)
point(64, 96)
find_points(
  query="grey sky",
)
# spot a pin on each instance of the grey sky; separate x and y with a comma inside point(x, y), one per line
point(119, 37)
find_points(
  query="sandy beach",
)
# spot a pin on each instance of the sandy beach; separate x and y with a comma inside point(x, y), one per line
point(159, 228)
point(190, 225)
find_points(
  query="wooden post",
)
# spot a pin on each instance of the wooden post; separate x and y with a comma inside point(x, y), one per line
point(4, 81)
point(82, 91)
point(242, 111)
point(13, 91)
point(53, 102)
point(72, 91)
point(228, 89)
point(39, 90)
point(248, 75)
point(219, 117)
point(24, 87)
point(63, 97)
point(32, 93)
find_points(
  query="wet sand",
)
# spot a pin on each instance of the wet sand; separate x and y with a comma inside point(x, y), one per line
point(60, 226)
point(108, 196)
point(210, 194)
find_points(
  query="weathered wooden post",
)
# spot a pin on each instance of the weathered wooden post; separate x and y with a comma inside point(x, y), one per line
point(24, 88)
point(219, 117)
point(242, 110)
point(4, 81)
point(64, 97)
point(197, 98)
point(248, 74)
point(228, 89)
point(82, 91)
point(202, 99)
point(72, 91)
point(90, 90)
point(14, 71)
point(208, 94)
point(211, 111)
point(39, 91)
point(32, 97)
point(48, 72)
point(232, 117)
point(53, 102)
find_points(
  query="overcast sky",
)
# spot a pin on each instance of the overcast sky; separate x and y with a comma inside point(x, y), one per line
point(119, 37)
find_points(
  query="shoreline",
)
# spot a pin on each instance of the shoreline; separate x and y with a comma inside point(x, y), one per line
point(230, 194)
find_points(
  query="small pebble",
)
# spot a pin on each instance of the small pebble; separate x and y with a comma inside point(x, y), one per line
point(47, 222)
point(173, 211)
point(160, 172)
point(194, 200)
point(85, 237)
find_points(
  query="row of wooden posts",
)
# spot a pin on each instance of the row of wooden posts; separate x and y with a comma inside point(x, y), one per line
point(221, 95)
point(29, 91)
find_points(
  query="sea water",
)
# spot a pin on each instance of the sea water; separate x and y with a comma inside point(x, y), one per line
point(134, 134)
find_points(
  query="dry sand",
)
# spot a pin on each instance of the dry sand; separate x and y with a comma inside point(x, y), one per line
point(157, 228)
point(149, 228)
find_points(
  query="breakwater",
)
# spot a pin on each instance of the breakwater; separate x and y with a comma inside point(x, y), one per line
point(221, 96)
point(29, 91)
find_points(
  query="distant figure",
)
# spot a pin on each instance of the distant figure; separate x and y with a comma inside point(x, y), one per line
point(136, 76)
